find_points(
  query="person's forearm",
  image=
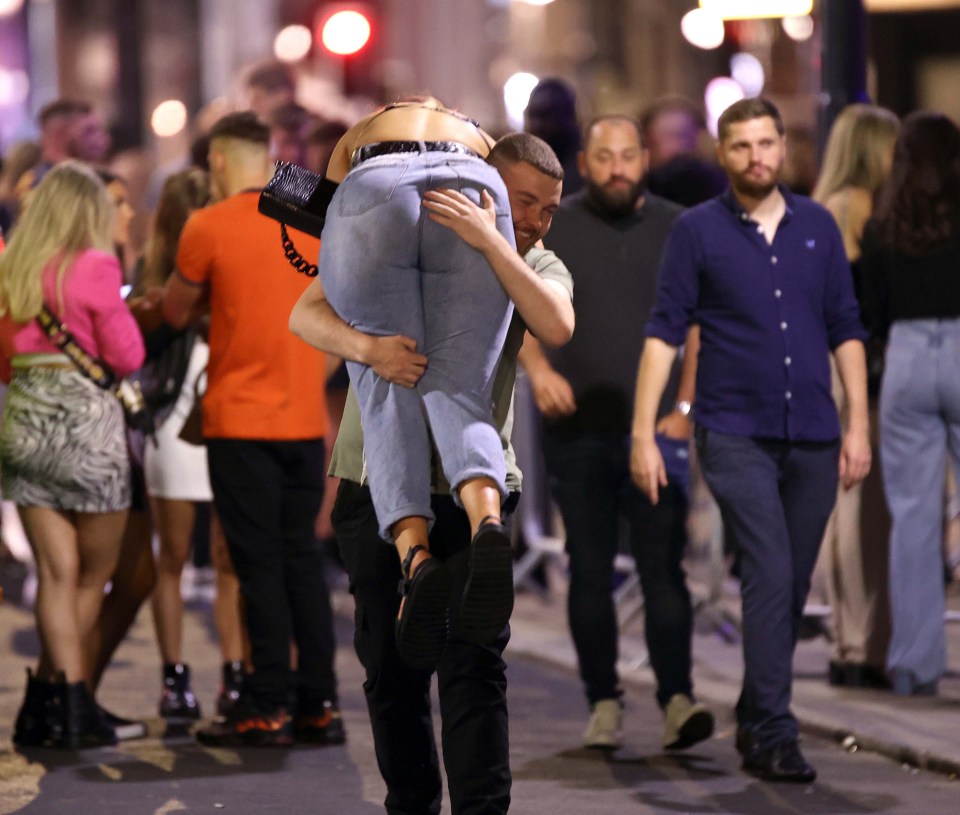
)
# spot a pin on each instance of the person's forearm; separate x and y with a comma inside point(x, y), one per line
point(652, 375)
point(852, 366)
point(687, 388)
point(545, 308)
point(532, 358)
point(314, 320)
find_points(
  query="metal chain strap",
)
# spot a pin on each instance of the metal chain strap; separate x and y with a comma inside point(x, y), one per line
point(298, 261)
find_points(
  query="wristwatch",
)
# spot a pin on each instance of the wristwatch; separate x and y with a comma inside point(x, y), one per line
point(684, 408)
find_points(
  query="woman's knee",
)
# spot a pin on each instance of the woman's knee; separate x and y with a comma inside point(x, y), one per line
point(57, 565)
point(173, 556)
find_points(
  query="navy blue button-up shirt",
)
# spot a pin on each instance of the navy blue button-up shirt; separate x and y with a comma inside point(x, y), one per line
point(769, 315)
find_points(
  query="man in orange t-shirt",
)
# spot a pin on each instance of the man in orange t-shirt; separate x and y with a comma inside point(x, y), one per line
point(264, 418)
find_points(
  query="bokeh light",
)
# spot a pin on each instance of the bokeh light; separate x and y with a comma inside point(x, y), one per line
point(798, 28)
point(702, 28)
point(8, 7)
point(721, 92)
point(169, 118)
point(345, 32)
point(14, 87)
point(292, 43)
point(516, 95)
point(748, 72)
point(757, 9)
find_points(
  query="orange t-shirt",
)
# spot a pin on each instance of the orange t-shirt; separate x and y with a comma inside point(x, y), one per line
point(262, 381)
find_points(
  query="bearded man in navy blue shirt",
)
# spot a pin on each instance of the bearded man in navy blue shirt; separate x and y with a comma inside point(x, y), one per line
point(763, 273)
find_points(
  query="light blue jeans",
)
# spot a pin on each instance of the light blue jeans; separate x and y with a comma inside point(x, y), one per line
point(389, 269)
point(919, 426)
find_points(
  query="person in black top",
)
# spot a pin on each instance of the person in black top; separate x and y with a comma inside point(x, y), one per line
point(610, 235)
point(911, 281)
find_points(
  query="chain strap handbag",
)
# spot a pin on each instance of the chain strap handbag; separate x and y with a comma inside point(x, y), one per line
point(127, 391)
point(297, 197)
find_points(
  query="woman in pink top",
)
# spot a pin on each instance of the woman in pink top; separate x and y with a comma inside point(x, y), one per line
point(63, 455)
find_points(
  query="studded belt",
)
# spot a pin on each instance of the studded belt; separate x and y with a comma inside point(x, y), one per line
point(386, 148)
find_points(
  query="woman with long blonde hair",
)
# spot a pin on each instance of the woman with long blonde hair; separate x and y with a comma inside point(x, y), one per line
point(856, 162)
point(63, 452)
point(852, 562)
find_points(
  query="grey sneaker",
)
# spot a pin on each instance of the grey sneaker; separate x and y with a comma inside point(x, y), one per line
point(603, 730)
point(685, 723)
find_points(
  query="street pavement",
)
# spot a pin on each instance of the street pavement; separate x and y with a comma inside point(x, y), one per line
point(918, 732)
point(168, 772)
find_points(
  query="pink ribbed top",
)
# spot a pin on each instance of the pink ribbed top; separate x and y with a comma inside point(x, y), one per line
point(94, 312)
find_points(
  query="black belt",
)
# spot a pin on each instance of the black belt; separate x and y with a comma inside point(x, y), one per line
point(386, 148)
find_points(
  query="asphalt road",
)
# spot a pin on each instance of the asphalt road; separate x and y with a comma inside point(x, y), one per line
point(169, 772)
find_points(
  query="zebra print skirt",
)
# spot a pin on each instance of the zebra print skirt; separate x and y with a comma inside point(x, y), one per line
point(63, 443)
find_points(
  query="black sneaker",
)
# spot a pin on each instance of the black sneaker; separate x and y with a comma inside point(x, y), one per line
point(36, 722)
point(248, 725)
point(177, 700)
point(324, 727)
point(126, 729)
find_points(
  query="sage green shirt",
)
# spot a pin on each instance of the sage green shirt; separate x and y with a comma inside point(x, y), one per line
point(348, 458)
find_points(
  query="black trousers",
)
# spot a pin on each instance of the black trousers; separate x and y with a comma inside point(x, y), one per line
point(590, 480)
point(471, 680)
point(268, 494)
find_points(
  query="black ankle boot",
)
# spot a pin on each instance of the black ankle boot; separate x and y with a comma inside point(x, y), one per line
point(83, 724)
point(231, 687)
point(177, 700)
point(35, 726)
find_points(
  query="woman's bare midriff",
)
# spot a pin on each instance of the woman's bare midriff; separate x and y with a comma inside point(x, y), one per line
point(406, 123)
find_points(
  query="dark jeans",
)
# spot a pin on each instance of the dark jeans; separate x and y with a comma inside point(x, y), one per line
point(471, 679)
point(267, 494)
point(590, 480)
point(775, 497)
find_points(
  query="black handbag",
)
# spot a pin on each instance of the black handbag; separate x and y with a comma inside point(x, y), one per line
point(163, 374)
point(299, 198)
point(127, 391)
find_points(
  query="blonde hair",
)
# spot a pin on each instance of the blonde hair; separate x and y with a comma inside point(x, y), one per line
point(858, 150)
point(68, 212)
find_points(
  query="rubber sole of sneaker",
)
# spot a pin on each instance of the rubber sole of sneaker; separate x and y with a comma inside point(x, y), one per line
point(125, 729)
point(488, 593)
point(694, 730)
point(211, 737)
point(422, 627)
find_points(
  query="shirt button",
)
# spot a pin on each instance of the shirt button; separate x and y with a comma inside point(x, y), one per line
point(777, 293)
point(773, 260)
point(787, 361)
point(759, 230)
point(783, 326)
point(789, 395)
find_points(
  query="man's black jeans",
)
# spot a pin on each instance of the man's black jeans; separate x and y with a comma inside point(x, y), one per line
point(471, 679)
